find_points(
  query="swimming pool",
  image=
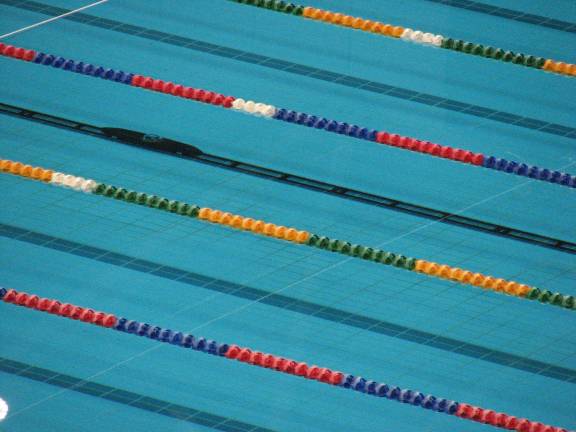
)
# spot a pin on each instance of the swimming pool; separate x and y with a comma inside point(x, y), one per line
point(405, 328)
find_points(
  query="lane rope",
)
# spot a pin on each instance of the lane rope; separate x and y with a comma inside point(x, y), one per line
point(274, 362)
point(269, 111)
point(415, 36)
point(290, 234)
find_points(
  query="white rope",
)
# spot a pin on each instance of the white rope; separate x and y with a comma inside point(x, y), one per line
point(52, 19)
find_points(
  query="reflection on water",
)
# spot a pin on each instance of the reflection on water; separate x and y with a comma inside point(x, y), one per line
point(3, 409)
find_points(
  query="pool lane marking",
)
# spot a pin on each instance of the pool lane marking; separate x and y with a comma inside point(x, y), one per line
point(131, 399)
point(268, 111)
point(41, 23)
point(291, 304)
point(274, 362)
point(190, 152)
point(308, 72)
point(500, 12)
point(128, 398)
point(294, 235)
point(415, 36)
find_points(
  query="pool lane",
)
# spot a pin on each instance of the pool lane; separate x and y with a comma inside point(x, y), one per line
point(44, 382)
point(194, 154)
point(538, 13)
point(75, 410)
point(245, 389)
point(338, 316)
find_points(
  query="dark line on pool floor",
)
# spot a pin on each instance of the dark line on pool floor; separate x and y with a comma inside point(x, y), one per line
point(299, 69)
point(292, 304)
point(135, 400)
point(510, 14)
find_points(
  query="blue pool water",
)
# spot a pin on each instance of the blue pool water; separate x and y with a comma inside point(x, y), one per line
point(500, 352)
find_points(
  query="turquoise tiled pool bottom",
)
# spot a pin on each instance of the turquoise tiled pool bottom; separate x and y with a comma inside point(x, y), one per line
point(402, 328)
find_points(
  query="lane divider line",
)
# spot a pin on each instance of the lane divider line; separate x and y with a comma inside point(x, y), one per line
point(269, 111)
point(415, 36)
point(290, 234)
point(274, 362)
